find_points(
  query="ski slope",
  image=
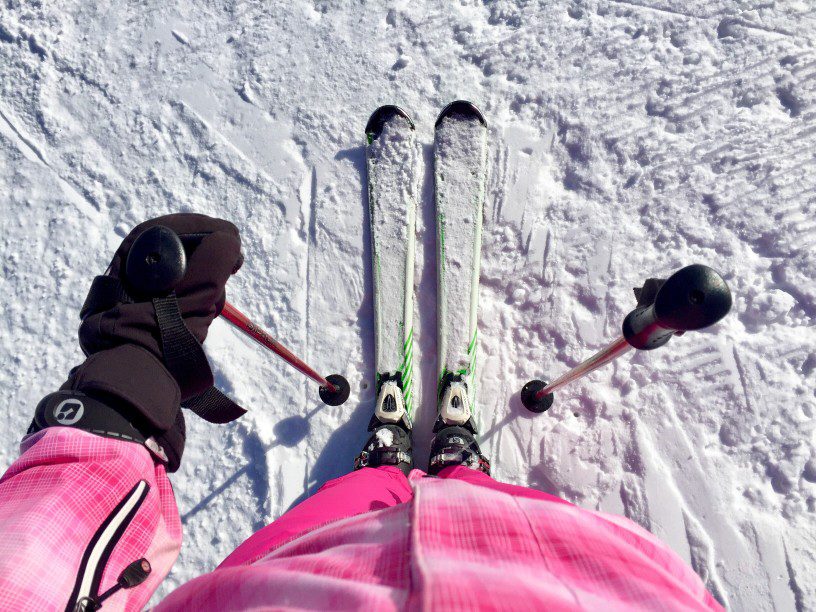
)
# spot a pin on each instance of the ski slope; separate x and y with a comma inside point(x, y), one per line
point(626, 139)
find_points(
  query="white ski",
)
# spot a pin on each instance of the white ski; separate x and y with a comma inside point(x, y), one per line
point(460, 174)
point(392, 162)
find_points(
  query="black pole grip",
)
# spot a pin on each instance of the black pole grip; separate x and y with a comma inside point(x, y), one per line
point(156, 262)
point(691, 298)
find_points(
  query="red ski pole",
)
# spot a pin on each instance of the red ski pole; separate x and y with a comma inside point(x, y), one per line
point(332, 387)
point(157, 262)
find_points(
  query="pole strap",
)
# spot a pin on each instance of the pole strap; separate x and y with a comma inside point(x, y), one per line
point(182, 353)
point(187, 362)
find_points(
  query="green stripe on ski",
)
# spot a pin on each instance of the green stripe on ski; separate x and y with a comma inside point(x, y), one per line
point(407, 370)
point(472, 353)
point(472, 344)
point(408, 357)
point(407, 397)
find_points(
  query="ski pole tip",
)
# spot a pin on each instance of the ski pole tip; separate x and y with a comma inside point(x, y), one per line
point(530, 399)
point(339, 394)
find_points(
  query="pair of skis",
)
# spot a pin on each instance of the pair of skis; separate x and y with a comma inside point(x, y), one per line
point(460, 172)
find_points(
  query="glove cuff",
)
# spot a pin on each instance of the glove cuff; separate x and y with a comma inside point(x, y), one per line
point(133, 379)
point(124, 393)
point(75, 409)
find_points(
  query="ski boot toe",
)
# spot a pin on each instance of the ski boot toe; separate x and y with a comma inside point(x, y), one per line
point(456, 446)
point(389, 444)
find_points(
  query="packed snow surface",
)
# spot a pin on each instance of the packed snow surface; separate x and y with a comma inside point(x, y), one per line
point(627, 138)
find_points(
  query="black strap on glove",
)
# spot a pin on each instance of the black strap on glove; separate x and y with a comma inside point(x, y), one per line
point(182, 354)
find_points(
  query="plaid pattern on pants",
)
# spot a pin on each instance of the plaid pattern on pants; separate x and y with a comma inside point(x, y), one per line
point(373, 539)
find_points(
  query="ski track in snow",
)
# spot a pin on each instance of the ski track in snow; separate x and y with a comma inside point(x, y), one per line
point(627, 138)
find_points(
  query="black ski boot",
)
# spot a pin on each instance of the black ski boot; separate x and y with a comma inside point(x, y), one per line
point(456, 445)
point(388, 445)
point(454, 441)
point(391, 441)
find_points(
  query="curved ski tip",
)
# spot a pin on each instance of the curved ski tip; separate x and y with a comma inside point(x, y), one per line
point(383, 114)
point(461, 107)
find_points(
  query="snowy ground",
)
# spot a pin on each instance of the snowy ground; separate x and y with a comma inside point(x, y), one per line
point(628, 138)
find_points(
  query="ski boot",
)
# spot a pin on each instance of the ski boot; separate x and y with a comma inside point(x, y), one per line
point(391, 441)
point(454, 442)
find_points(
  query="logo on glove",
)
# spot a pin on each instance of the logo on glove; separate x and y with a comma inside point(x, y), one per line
point(69, 411)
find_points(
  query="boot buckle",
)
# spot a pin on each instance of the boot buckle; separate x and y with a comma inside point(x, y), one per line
point(361, 460)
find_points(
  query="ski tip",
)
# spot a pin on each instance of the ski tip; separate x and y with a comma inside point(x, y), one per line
point(461, 107)
point(381, 115)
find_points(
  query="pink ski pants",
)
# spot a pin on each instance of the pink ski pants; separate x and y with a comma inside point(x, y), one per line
point(355, 493)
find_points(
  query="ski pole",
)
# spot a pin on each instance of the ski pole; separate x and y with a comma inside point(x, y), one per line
point(330, 386)
point(157, 262)
point(692, 298)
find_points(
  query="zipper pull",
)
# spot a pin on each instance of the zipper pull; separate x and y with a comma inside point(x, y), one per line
point(133, 575)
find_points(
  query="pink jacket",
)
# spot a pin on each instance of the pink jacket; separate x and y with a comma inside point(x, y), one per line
point(75, 509)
